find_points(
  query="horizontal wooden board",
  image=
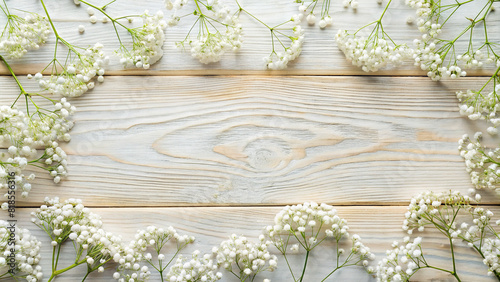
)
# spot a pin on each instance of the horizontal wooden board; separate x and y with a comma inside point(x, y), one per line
point(377, 226)
point(257, 140)
point(320, 55)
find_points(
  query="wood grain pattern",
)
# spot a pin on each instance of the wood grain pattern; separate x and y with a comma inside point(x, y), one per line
point(377, 226)
point(320, 54)
point(218, 149)
point(258, 140)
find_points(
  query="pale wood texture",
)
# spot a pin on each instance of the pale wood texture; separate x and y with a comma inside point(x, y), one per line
point(219, 154)
point(320, 54)
point(377, 226)
point(260, 140)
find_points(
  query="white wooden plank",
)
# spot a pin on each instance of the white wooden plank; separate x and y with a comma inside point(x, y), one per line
point(320, 53)
point(258, 140)
point(377, 226)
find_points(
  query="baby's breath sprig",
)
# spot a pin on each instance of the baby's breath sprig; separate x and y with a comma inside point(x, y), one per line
point(150, 238)
point(481, 163)
point(444, 57)
point(19, 254)
point(24, 134)
point(444, 212)
point(281, 54)
point(218, 29)
point(244, 258)
point(21, 34)
point(306, 226)
point(375, 51)
point(309, 9)
point(484, 103)
point(197, 268)
point(147, 40)
point(71, 220)
point(73, 76)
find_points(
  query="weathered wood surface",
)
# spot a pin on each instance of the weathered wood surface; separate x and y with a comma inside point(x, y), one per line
point(320, 55)
point(215, 155)
point(377, 226)
point(260, 140)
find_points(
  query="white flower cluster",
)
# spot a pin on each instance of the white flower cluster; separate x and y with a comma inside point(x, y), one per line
point(129, 267)
point(401, 262)
point(302, 221)
point(429, 204)
point(198, 268)
point(426, 55)
point(26, 135)
point(245, 258)
point(363, 252)
point(325, 19)
point(130, 262)
point(68, 219)
point(481, 105)
point(474, 232)
point(147, 42)
point(158, 237)
point(371, 53)
point(23, 34)
point(175, 6)
point(210, 43)
point(72, 220)
point(15, 158)
point(76, 78)
point(101, 246)
point(210, 47)
point(481, 163)
point(23, 256)
point(491, 252)
point(435, 55)
point(280, 60)
point(310, 224)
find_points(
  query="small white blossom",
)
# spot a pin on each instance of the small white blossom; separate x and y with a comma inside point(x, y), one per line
point(23, 34)
point(147, 42)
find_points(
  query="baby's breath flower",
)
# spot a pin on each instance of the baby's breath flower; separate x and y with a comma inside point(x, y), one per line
point(401, 262)
point(27, 135)
point(129, 268)
point(309, 225)
point(482, 104)
point(198, 268)
point(481, 163)
point(371, 53)
point(294, 220)
point(72, 220)
point(134, 260)
point(279, 60)
point(428, 205)
point(219, 30)
point(23, 34)
point(147, 42)
point(308, 9)
point(26, 256)
point(55, 217)
point(244, 258)
point(442, 57)
point(76, 78)
point(491, 252)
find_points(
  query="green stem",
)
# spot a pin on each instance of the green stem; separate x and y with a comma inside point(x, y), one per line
point(85, 277)
point(454, 273)
point(305, 266)
point(14, 76)
point(60, 271)
point(50, 20)
point(385, 10)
